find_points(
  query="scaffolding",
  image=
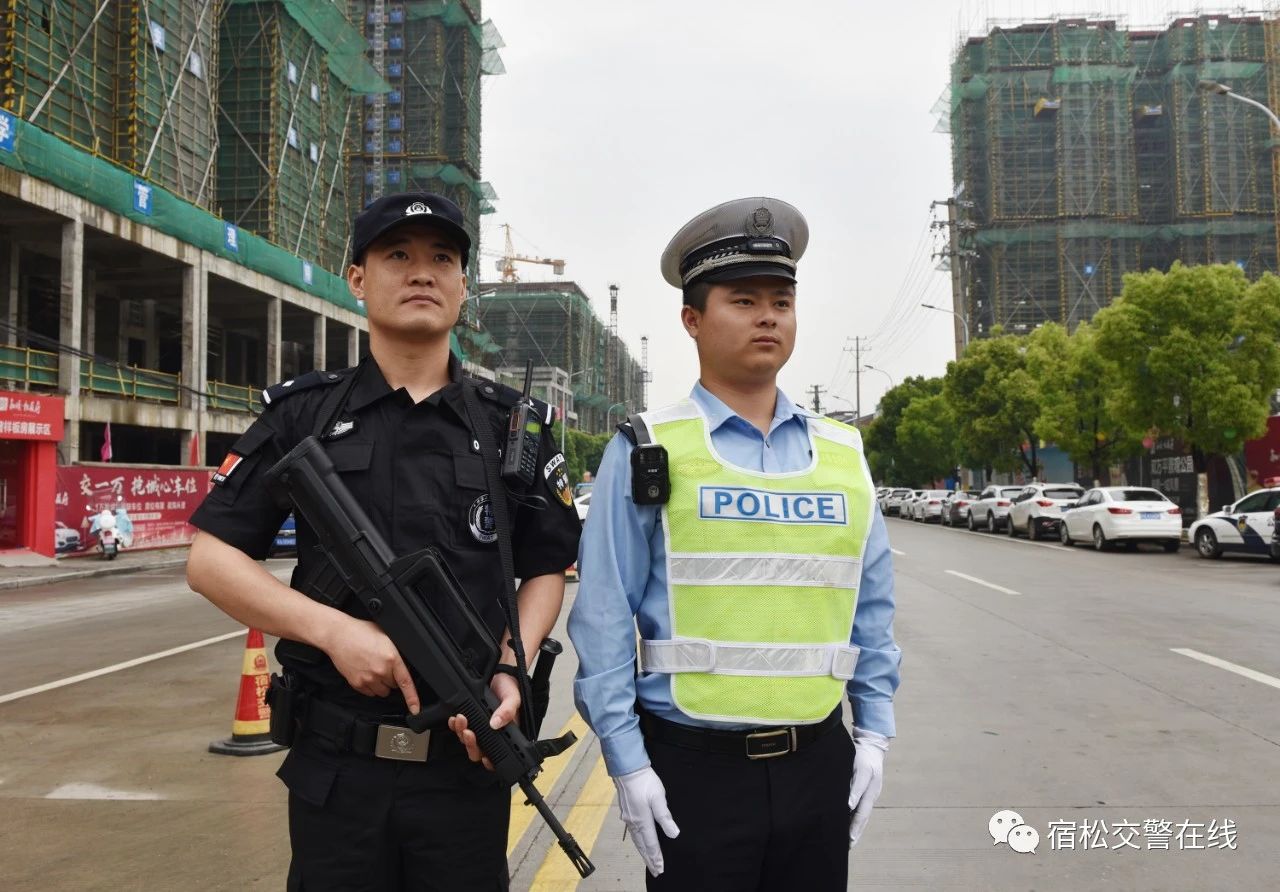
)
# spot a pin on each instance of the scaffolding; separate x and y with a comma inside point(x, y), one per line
point(285, 115)
point(126, 81)
point(554, 325)
point(1087, 151)
point(424, 135)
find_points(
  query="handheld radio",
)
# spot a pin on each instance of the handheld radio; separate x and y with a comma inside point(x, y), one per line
point(524, 430)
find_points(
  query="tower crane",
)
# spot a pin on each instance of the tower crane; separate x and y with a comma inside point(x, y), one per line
point(506, 264)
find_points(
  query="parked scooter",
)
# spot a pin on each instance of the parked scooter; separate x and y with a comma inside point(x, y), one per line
point(108, 544)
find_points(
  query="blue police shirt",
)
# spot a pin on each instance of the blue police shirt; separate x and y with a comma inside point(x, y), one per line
point(622, 574)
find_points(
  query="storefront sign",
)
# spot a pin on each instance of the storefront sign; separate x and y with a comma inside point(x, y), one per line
point(158, 501)
point(30, 416)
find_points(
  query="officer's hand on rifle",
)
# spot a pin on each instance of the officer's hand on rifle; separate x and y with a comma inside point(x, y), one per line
point(507, 690)
point(369, 661)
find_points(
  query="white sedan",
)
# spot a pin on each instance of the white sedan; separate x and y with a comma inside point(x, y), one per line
point(1108, 515)
point(1245, 526)
point(928, 507)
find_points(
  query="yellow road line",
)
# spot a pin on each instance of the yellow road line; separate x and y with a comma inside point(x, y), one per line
point(522, 815)
point(557, 874)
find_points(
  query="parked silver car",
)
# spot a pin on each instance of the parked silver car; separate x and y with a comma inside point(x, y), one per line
point(893, 502)
point(955, 507)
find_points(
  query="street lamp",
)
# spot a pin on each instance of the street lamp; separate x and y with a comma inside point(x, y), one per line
point(883, 372)
point(1223, 90)
point(963, 321)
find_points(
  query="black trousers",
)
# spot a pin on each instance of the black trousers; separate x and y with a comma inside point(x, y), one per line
point(756, 826)
point(359, 823)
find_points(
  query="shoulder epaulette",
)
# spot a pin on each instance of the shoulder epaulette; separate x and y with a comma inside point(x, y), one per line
point(506, 397)
point(628, 430)
point(315, 378)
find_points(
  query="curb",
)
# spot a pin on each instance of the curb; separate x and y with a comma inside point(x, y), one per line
point(28, 581)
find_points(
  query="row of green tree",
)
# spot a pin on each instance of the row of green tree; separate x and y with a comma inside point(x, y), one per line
point(582, 451)
point(1192, 354)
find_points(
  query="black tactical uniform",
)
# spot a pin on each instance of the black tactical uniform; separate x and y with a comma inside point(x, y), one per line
point(358, 821)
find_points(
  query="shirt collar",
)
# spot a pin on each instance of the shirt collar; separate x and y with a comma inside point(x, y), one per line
point(373, 385)
point(717, 413)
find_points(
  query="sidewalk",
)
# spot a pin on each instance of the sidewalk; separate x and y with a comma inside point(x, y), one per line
point(66, 569)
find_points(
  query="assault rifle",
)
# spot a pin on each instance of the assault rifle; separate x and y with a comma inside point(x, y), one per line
point(417, 601)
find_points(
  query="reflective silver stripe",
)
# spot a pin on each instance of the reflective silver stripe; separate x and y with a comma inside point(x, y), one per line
point(812, 570)
point(773, 660)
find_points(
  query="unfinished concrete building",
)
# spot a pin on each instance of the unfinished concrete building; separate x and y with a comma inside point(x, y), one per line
point(1082, 151)
point(580, 365)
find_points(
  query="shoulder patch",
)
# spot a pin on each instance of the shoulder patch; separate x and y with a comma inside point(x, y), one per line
point(315, 378)
point(506, 397)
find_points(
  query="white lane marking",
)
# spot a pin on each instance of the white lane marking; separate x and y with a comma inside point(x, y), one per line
point(898, 553)
point(127, 664)
point(974, 579)
point(1251, 674)
point(93, 791)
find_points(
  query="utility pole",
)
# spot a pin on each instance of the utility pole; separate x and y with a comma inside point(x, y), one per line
point(817, 399)
point(956, 257)
point(857, 372)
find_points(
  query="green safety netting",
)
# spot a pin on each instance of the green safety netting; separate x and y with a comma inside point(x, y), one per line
point(324, 20)
point(1041, 232)
point(48, 158)
point(453, 14)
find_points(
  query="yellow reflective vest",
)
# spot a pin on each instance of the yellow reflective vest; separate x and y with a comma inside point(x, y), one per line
point(762, 574)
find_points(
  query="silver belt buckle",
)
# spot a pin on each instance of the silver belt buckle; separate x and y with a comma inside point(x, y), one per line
point(401, 744)
point(790, 740)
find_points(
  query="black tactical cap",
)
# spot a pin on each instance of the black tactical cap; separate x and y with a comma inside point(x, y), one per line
point(391, 211)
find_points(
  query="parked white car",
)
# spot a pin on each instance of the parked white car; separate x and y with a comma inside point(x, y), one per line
point(1109, 515)
point(1245, 526)
point(991, 510)
point(909, 504)
point(893, 502)
point(582, 504)
point(1037, 510)
point(928, 507)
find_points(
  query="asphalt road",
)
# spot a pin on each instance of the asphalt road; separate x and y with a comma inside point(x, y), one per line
point(1089, 693)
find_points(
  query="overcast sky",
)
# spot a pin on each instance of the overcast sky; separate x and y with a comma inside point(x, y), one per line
point(616, 122)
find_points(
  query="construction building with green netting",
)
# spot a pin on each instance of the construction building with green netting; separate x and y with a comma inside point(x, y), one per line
point(424, 134)
point(581, 366)
point(174, 214)
point(1083, 150)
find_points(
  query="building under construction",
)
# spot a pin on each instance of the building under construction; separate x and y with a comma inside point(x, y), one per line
point(1082, 151)
point(424, 134)
point(580, 364)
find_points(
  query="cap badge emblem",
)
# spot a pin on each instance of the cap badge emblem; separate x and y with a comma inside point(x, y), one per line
point(761, 222)
point(417, 208)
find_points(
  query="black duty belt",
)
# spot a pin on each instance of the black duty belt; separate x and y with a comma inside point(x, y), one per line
point(755, 743)
point(380, 737)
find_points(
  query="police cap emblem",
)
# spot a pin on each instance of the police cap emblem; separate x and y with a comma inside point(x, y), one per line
point(761, 222)
point(417, 207)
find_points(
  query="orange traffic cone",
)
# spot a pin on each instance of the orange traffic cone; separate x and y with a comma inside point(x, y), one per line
point(251, 729)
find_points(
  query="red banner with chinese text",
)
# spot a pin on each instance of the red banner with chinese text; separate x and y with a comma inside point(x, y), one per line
point(157, 500)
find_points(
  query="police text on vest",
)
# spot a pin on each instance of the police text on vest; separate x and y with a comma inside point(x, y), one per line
point(743, 503)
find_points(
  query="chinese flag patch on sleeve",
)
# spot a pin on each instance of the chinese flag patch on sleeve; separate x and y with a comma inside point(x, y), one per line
point(227, 468)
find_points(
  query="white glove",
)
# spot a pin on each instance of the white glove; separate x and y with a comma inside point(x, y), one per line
point(642, 799)
point(868, 777)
